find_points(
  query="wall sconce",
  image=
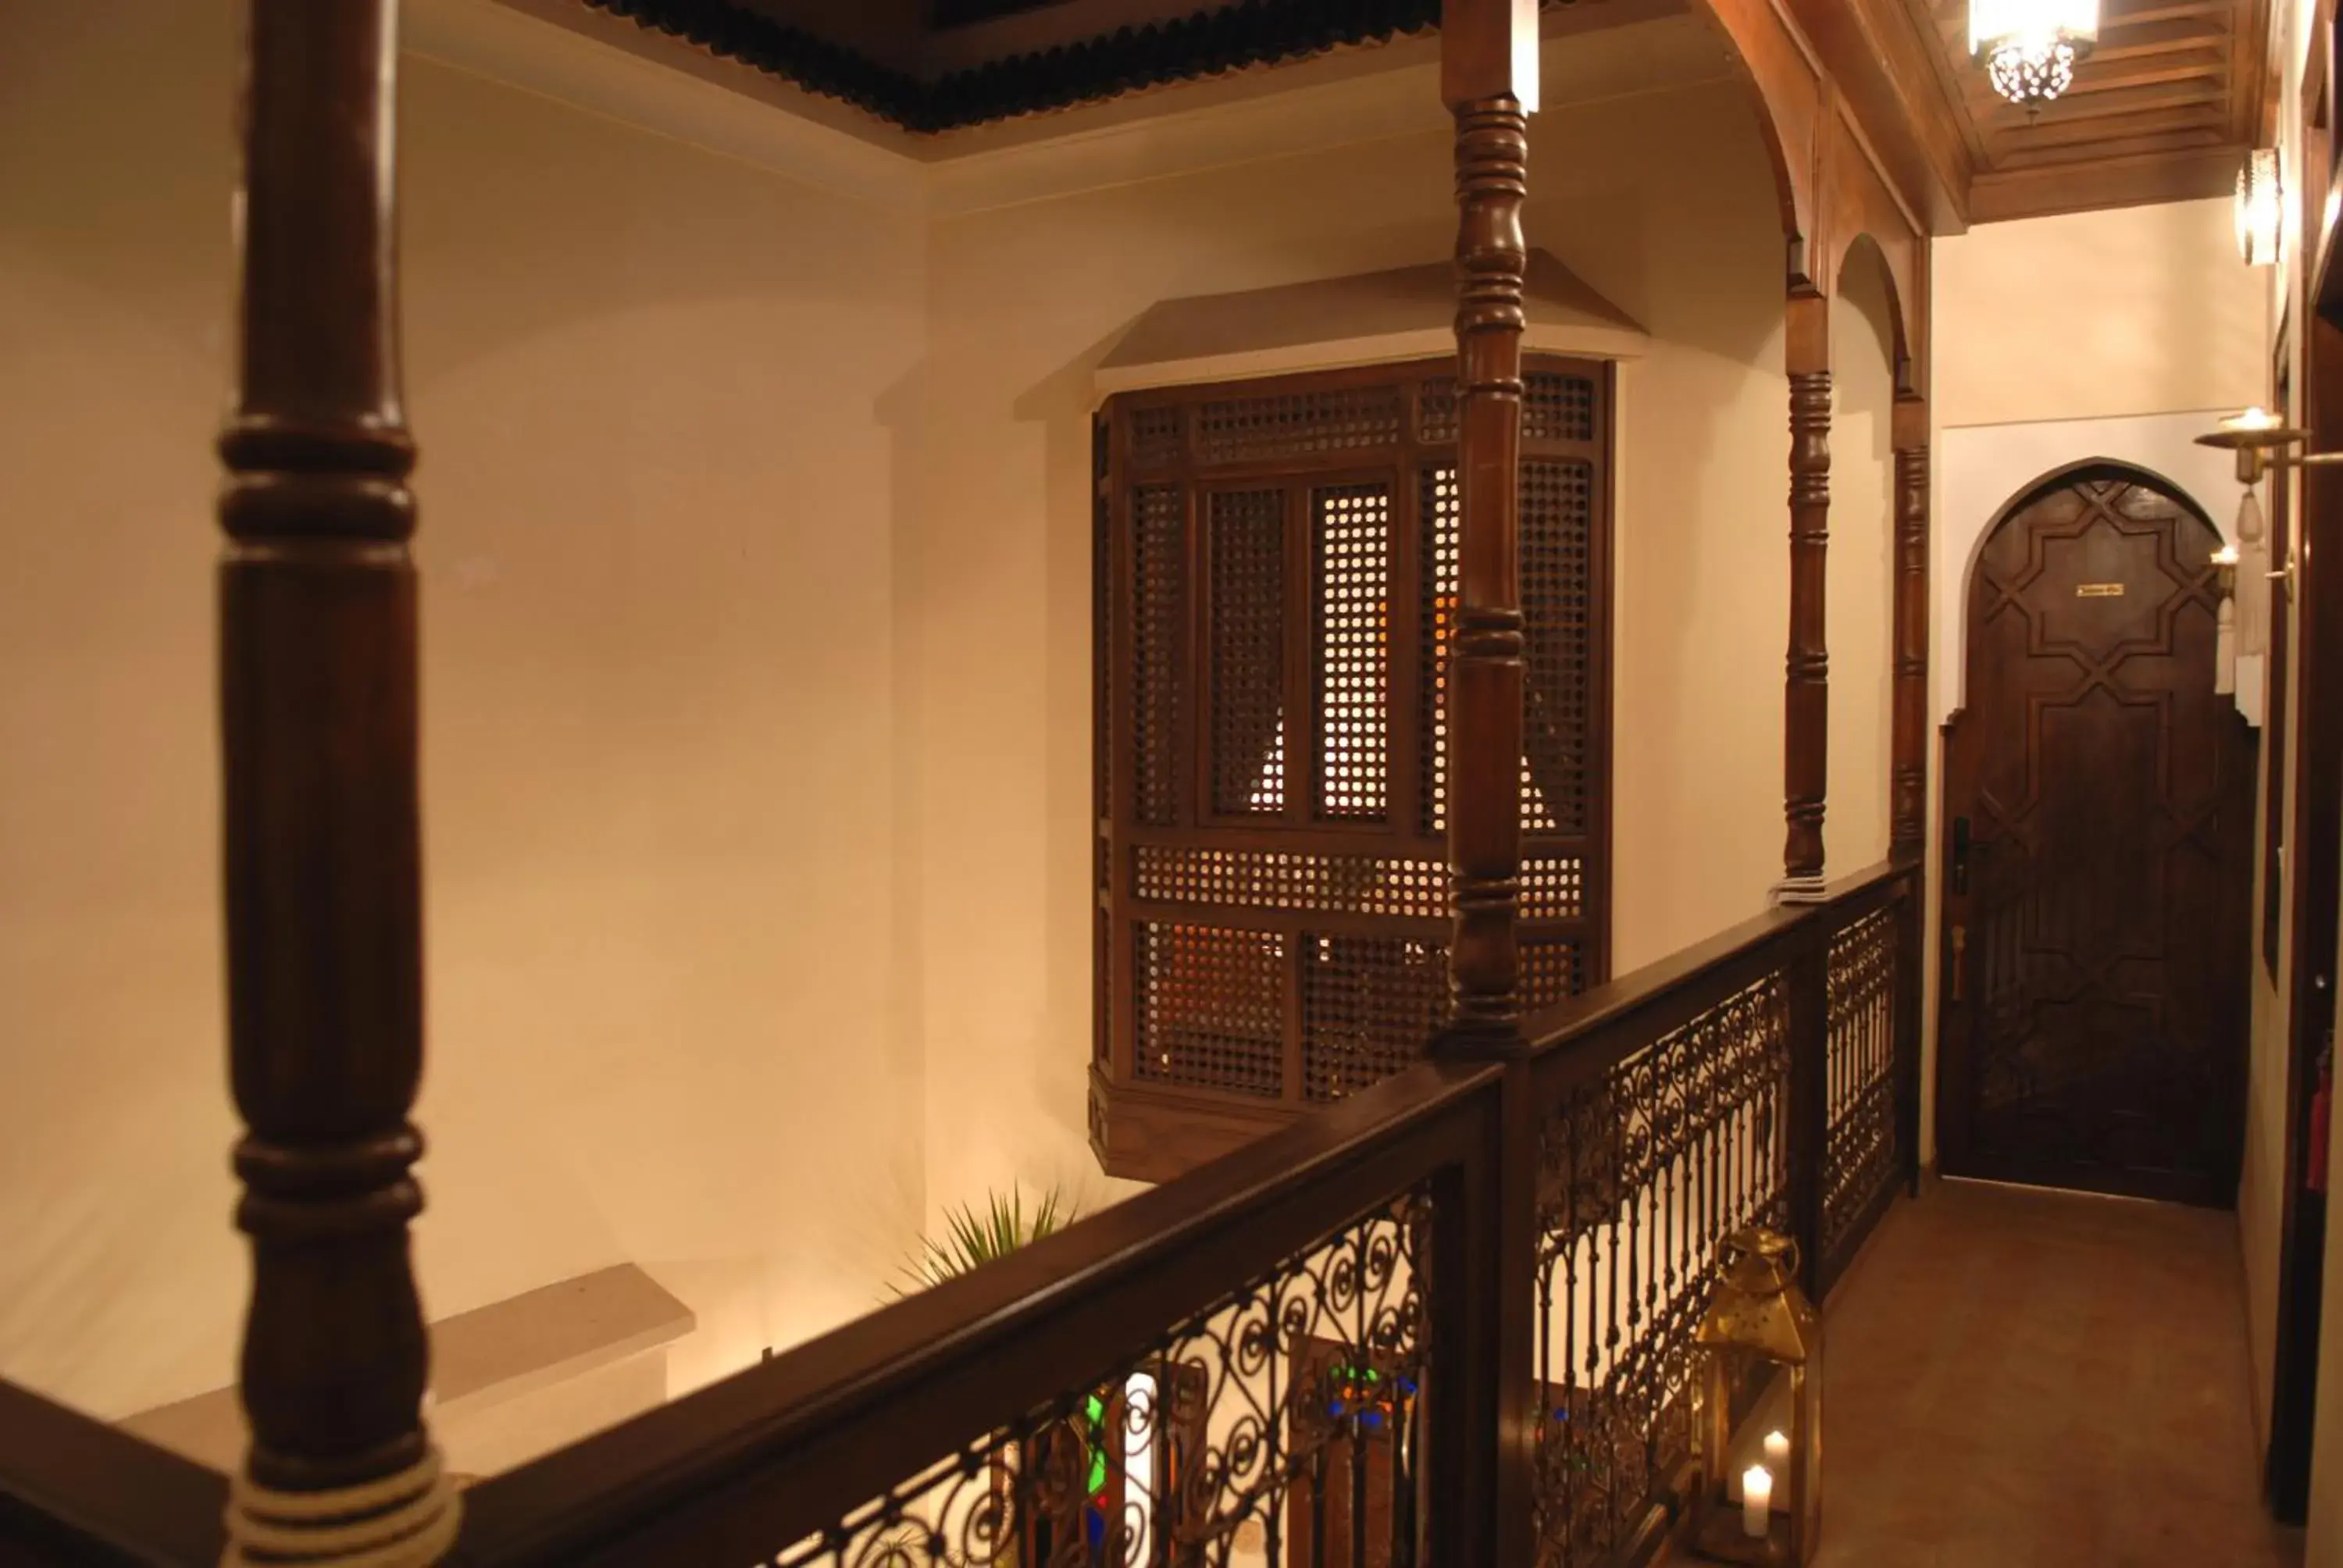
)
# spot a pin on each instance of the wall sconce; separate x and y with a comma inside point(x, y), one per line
point(2257, 437)
point(2029, 48)
point(2259, 208)
point(2224, 621)
point(2241, 566)
point(2224, 569)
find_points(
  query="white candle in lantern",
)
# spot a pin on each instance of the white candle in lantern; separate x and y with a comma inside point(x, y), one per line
point(1777, 1451)
point(1757, 1500)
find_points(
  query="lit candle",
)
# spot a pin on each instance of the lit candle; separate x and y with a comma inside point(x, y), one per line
point(1757, 1500)
point(1777, 1451)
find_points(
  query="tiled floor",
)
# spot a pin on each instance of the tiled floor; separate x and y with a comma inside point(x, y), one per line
point(2019, 1379)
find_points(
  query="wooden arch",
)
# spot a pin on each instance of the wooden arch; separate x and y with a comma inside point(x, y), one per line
point(1856, 204)
point(1899, 330)
point(1831, 184)
point(1785, 77)
point(1835, 193)
point(1861, 207)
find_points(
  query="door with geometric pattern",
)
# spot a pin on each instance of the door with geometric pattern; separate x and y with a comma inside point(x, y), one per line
point(2097, 864)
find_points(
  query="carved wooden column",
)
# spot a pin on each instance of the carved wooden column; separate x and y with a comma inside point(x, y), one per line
point(322, 856)
point(1805, 720)
point(1485, 1479)
point(1486, 662)
point(1908, 763)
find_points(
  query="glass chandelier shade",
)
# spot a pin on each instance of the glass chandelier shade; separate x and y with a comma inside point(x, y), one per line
point(2029, 48)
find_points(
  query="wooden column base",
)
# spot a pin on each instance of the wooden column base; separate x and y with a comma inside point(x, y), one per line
point(1809, 890)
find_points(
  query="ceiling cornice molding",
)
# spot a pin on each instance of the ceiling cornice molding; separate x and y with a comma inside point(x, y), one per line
point(731, 32)
point(2140, 180)
point(1203, 44)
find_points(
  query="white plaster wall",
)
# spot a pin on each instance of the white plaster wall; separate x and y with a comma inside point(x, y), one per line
point(2098, 315)
point(661, 500)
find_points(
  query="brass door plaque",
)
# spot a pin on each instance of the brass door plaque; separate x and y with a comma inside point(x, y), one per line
point(2098, 591)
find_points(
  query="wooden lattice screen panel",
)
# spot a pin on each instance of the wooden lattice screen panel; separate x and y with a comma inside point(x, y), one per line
point(1277, 579)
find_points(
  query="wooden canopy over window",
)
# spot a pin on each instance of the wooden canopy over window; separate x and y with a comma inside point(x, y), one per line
point(1277, 577)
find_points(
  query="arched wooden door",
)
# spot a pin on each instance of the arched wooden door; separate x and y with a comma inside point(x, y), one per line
point(2098, 811)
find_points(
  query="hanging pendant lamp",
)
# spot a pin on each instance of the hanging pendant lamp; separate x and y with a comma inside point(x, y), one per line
point(2029, 48)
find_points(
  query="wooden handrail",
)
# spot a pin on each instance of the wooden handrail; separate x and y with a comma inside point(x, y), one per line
point(1572, 1024)
point(830, 1417)
point(780, 1452)
point(768, 1456)
point(75, 1492)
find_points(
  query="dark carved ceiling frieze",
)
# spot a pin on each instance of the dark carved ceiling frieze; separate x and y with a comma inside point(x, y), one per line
point(1203, 44)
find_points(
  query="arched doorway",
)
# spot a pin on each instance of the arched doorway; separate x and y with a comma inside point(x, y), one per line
point(2098, 859)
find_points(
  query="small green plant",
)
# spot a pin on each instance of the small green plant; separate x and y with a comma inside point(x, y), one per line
point(973, 1238)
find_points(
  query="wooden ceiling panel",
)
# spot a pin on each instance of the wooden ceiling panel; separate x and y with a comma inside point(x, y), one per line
point(2171, 86)
point(2076, 138)
point(2086, 111)
point(2203, 138)
point(2146, 40)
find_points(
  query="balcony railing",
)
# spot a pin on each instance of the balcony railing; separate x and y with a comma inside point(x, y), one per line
point(1315, 1352)
point(1294, 1356)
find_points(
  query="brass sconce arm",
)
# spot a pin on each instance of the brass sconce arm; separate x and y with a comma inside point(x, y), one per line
point(2260, 442)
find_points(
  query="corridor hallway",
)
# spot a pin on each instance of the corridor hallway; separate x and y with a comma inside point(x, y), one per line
point(2025, 1379)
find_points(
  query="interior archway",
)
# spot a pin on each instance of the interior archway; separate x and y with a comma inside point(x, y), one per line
point(1860, 571)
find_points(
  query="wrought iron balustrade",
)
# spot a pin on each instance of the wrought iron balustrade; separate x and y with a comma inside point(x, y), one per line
point(1296, 1356)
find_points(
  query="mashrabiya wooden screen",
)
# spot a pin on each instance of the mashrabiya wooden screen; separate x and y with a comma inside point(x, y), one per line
point(1277, 579)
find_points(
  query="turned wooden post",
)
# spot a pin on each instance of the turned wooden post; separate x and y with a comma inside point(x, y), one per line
point(1483, 1442)
point(1806, 717)
point(322, 842)
point(1908, 764)
point(1489, 71)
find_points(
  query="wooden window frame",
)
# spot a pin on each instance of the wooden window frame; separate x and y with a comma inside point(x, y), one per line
point(1149, 442)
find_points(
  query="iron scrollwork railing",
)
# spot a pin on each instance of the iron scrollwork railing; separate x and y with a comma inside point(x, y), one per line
point(1306, 1354)
point(1863, 1154)
point(1772, 1085)
point(1762, 1080)
point(1279, 1424)
point(1647, 1166)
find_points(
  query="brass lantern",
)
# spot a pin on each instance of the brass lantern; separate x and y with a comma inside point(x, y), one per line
point(1761, 1492)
